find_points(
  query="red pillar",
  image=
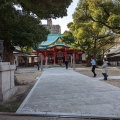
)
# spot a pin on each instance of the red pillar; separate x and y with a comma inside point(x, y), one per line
point(65, 55)
point(54, 58)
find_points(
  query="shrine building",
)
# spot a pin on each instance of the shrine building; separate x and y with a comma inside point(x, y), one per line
point(55, 51)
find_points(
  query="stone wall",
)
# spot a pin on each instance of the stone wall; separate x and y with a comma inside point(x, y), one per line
point(7, 86)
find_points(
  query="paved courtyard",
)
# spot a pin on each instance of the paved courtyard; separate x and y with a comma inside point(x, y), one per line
point(61, 92)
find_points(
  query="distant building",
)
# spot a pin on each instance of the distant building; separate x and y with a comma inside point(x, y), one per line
point(54, 29)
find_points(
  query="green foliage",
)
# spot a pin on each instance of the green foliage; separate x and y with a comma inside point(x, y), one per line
point(95, 25)
point(26, 49)
point(45, 8)
point(68, 38)
point(22, 28)
point(105, 12)
point(19, 28)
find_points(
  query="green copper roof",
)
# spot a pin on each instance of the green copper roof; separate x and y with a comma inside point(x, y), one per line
point(51, 38)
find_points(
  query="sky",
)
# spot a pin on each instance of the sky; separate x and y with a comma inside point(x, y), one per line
point(65, 20)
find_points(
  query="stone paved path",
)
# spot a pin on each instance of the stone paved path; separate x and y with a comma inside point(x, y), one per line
point(61, 92)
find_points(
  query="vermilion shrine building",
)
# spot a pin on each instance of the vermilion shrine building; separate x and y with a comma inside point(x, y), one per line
point(55, 51)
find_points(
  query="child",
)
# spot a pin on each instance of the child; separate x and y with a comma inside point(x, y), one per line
point(105, 69)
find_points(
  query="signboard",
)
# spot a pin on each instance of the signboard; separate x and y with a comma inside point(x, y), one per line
point(1, 46)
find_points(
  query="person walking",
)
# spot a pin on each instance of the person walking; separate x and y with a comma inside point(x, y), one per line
point(105, 69)
point(93, 63)
point(66, 64)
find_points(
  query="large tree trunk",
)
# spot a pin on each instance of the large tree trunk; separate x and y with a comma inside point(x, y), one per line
point(8, 55)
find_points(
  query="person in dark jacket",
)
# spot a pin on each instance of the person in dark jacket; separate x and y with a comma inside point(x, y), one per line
point(66, 64)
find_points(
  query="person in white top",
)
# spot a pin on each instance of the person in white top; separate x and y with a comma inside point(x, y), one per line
point(105, 69)
point(93, 63)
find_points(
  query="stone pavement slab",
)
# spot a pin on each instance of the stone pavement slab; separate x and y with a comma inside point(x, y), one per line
point(61, 92)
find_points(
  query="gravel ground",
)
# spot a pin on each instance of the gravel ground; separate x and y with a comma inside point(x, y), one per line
point(112, 71)
point(26, 78)
point(25, 81)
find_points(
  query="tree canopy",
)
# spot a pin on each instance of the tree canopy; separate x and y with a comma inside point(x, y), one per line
point(46, 8)
point(22, 27)
point(104, 12)
point(68, 37)
point(95, 24)
point(42, 8)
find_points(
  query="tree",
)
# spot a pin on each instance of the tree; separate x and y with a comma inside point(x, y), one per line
point(19, 29)
point(104, 12)
point(90, 26)
point(45, 8)
point(22, 28)
point(42, 8)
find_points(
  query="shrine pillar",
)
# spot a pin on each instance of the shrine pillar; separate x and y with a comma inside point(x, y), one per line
point(73, 61)
point(41, 59)
point(54, 58)
point(46, 62)
point(65, 56)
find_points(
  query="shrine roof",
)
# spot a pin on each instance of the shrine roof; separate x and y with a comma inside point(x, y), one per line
point(41, 47)
point(51, 38)
point(52, 42)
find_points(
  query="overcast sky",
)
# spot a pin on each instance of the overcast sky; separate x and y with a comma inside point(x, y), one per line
point(65, 20)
